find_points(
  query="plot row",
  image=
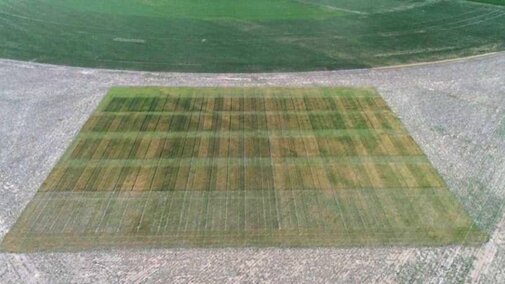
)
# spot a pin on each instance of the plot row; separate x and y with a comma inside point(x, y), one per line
point(248, 104)
point(221, 176)
point(361, 212)
point(240, 122)
point(245, 147)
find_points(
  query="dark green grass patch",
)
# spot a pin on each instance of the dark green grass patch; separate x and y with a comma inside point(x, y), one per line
point(246, 36)
point(241, 167)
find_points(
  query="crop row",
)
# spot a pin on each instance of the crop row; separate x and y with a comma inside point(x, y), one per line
point(365, 212)
point(245, 147)
point(243, 176)
point(240, 122)
point(248, 104)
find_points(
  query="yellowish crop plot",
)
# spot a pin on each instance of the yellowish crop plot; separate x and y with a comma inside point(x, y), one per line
point(180, 167)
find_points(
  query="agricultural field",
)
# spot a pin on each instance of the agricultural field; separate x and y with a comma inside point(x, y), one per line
point(247, 36)
point(214, 167)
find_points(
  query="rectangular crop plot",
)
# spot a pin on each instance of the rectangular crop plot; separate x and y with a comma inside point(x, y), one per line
point(214, 167)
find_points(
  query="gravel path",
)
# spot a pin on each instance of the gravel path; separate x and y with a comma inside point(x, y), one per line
point(455, 111)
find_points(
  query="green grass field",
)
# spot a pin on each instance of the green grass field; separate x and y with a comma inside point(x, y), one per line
point(214, 167)
point(494, 2)
point(247, 36)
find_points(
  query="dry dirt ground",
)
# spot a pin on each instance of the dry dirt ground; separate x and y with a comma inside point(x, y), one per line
point(454, 110)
